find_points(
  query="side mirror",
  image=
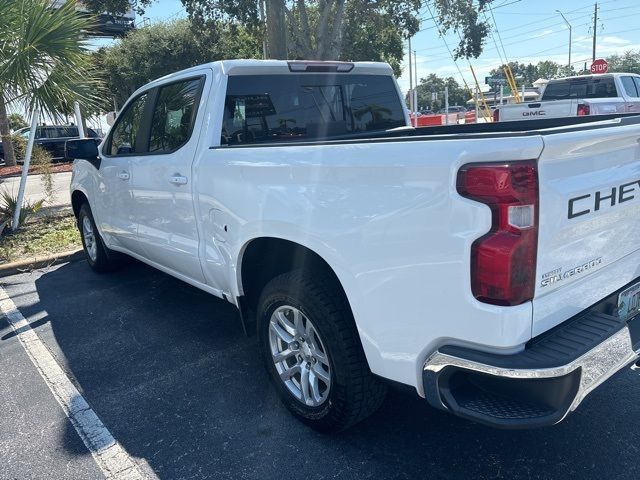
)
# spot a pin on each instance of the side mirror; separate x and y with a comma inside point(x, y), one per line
point(82, 148)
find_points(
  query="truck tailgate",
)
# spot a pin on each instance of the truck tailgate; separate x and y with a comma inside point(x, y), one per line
point(589, 219)
point(539, 110)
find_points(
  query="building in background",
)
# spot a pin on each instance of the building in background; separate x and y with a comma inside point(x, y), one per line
point(108, 25)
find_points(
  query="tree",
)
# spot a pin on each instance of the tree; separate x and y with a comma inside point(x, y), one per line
point(463, 17)
point(117, 7)
point(548, 69)
point(530, 73)
point(629, 62)
point(373, 38)
point(433, 84)
point(316, 29)
point(44, 65)
point(162, 48)
point(16, 122)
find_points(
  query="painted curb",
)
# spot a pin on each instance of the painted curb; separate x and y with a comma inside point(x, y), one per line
point(35, 263)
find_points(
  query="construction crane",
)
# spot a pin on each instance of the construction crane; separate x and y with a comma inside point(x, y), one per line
point(511, 80)
point(485, 110)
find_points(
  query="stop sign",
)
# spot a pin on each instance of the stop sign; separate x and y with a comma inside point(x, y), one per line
point(600, 66)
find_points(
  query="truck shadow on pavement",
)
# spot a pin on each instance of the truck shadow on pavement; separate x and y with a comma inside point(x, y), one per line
point(168, 370)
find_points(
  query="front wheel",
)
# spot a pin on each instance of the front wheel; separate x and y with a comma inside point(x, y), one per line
point(313, 353)
point(98, 256)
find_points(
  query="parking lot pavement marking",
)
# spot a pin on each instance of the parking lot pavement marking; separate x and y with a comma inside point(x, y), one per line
point(112, 459)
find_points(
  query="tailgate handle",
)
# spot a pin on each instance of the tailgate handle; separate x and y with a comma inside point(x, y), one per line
point(535, 105)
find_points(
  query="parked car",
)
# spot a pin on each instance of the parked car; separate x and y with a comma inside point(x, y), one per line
point(52, 138)
point(491, 268)
point(460, 110)
point(578, 96)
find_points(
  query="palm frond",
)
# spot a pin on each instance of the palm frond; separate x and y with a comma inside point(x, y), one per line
point(8, 204)
point(44, 60)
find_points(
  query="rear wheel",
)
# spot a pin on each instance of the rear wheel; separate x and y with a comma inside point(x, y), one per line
point(313, 354)
point(98, 256)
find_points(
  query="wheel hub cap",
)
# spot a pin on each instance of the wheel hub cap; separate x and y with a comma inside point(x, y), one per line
point(299, 356)
point(89, 238)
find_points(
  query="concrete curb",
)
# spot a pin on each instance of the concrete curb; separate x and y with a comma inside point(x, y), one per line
point(35, 263)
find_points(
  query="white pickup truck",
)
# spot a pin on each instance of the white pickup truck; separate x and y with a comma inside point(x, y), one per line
point(579, 96)
point(494, 271)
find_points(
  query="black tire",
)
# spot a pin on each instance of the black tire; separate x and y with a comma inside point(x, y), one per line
point(102, 260)
point(354, 392)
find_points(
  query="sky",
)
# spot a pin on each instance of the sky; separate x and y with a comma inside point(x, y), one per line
point(529, 30)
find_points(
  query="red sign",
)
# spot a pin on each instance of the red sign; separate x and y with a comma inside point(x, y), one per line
point(599, 66)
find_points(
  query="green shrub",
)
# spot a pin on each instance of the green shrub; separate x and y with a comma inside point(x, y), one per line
point(8, 204)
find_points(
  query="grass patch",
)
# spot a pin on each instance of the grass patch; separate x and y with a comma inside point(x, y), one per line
point(44, 234)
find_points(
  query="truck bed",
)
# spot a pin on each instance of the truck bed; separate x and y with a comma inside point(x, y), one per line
point(472, 130)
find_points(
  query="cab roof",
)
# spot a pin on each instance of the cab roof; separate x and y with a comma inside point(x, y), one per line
point(277, 67)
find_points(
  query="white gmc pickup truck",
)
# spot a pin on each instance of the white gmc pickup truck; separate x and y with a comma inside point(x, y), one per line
point(492, 269)
point(579, 96)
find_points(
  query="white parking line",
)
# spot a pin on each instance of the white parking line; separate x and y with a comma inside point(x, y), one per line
point(112, 459)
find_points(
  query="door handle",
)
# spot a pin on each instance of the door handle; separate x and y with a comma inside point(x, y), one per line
point(178, 180)
point(124, 175)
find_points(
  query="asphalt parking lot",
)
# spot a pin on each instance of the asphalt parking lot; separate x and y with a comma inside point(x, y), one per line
point(169, 372)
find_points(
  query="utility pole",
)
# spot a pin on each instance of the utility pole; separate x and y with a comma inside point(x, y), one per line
point(569, 26)
point(446, 104)
point(415, 90)
point(410, 79)
point(595, 29)
point(476, 102)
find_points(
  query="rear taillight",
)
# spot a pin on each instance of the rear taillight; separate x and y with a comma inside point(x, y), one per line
point(583, 110)
point(503, 262)
point(496, 115)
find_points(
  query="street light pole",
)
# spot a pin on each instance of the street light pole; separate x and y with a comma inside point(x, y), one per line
point(568, 25)
point(410, 80)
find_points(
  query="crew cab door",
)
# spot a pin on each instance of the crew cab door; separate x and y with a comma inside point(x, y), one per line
point(162, 178)
point(114, 205)
point(630, 86)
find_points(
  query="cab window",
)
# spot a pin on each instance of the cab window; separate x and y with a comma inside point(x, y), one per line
point(629, 86)
point(69, 132)
point(308, 107)
point(174, 115)
point(125, 132)
point(40, 133)
point(587, 87)
point(636, 80)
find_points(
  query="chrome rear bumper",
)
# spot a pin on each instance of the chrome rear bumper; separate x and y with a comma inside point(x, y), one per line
point(539, 386)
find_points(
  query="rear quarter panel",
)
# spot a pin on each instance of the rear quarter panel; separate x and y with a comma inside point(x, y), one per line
point(387, 219)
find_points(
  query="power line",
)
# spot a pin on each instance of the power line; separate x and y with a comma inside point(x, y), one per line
point(498, 33)
point(520, 34)
point(447, 45)
point(494, 40)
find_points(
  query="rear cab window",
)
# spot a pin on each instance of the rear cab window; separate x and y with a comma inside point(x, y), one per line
point(581, 88)
point(307, 107)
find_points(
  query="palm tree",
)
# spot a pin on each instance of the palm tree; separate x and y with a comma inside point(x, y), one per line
point(44, 61)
